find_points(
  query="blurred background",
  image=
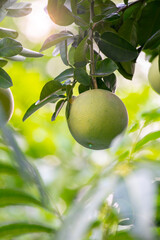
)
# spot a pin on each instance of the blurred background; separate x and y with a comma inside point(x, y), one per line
point(66, 168)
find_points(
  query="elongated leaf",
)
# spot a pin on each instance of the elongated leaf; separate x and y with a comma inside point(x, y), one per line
point(7, 169)
point(17, 58)
point(16, 229)
point(50, 88)
point(27, 171)
point(5, 80)
point(59, 106)
point(14, 197)
point(55, 38)
point(66, 74)
point(82, 77)
point(37, 105)
point(148, 23)
point(153, 41)
point(29, 53)
point(9, 47)
point(80, 53)
point(8, 3)
point(4, 32)
point(105, 67)
point(3, 62)
point(149, 137)
point(63, 52)
point(116, 48)
point(19, 9)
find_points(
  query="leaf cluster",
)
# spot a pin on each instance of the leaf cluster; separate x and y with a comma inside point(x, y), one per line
point(113, 34)
point(11, 49)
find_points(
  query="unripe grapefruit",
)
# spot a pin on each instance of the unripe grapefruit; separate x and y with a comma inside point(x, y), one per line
point(154, 76)
point(6, 103)
point(96, 117)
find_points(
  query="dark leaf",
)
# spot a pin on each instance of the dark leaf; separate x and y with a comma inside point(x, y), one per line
point(148, 24)
point(110, 82)
point(126, 69)
point(4, 32)
point(66, 74)
point(80, 53)
point(9, 47)
point(105, 68)
point(116, 48)
point(3, 62)
point(5, 80)
point(17, 229)
point(59, 106)
point(128, 31)
point(56, 38)
point(82, 88)
point(29, 53)
point(63, 52)
point(50, 88)
point(82, 77)
point(153, 41)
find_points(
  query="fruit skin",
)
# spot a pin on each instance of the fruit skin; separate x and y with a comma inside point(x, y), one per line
point(154, 76)
point(7, 104)
point(96, 117)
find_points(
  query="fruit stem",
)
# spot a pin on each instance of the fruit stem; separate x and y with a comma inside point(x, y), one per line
point(92, 64)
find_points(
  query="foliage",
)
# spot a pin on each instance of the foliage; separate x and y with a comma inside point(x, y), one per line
point(116, 196)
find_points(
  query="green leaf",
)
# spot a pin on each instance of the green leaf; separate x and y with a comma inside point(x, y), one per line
point(153, 41)
point(82, 88)
point(105, 68)
point(16, 229)
point(5, 32)
point(5, 80)
point(9, 47)
point(3, 62)
point(8, 3)
point(55, 38)
point(66, 74)
point(49, 88)
point(149, 137)
point(59, 106)
point(126, 69)
point(37, 105)
point(110, 82)
point(29, 53)
point(116, 48)
point(80, 53)
point(128, 31)
point(63, 52)
point(7, 169)
point(14, 197)
point(19, 9)
point(82, 77)
point(3, 13)
point(148, 23)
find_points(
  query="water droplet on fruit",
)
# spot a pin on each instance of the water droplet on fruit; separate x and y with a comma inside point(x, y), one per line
point(90, 145)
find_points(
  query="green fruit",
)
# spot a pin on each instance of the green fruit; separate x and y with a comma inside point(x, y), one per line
point(154, 76)
point(96, 117)
point(59, 13)
point(6, 104)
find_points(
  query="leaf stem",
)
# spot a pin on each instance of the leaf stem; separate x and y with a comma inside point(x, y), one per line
point(92, 64)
